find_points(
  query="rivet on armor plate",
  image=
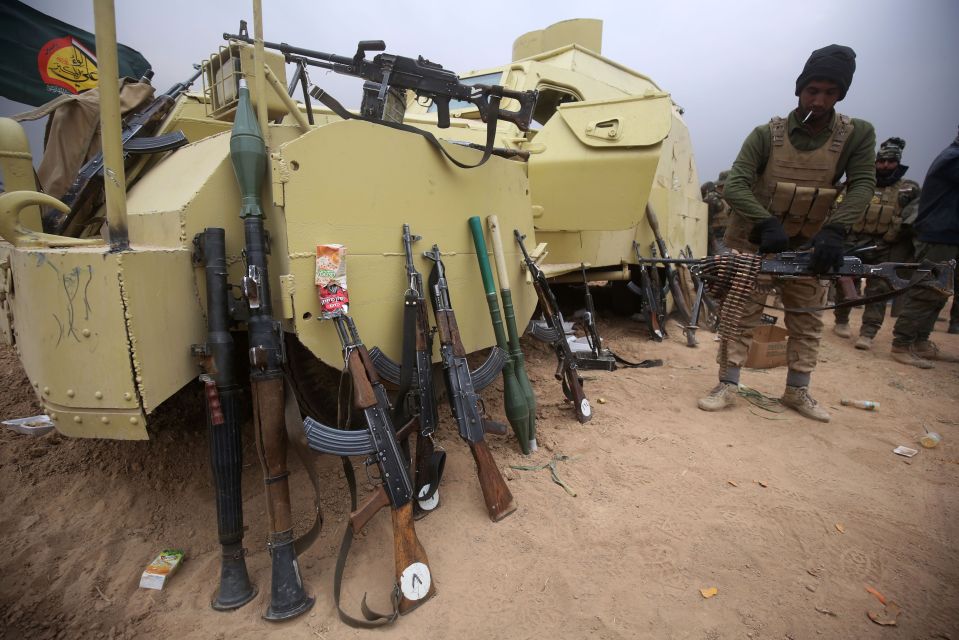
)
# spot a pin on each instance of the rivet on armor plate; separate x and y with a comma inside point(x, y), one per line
point(105, 420)
point(98, 394)
point(46, 391)
point(134, 420)
point(86, 333)
point(127, 395)
point(71, 393)
point(77, 419)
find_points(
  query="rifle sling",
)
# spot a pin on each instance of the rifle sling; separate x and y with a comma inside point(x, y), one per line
point(408, 363)
point(297, 437)
point(645, 364)
point(334, 105)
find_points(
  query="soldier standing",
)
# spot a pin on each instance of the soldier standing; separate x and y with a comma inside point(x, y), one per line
point(781, 189)
point(937, 239)
point(712, 193)
point(882, 225)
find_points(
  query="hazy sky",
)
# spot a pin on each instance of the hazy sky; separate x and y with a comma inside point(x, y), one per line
point(730, 65)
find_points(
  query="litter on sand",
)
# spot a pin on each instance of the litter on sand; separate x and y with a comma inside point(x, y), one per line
point(905, 451)
point(32, 426)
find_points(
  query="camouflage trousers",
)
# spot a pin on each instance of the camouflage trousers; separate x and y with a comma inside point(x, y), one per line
point(922, 305)
point(805, 328)
point(873, 314)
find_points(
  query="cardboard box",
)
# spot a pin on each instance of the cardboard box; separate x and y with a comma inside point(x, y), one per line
point(768, 349)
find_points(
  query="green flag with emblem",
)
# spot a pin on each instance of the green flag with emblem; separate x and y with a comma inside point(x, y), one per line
point(44, 57)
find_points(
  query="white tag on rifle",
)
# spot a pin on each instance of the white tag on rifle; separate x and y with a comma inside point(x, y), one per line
point(415, 581)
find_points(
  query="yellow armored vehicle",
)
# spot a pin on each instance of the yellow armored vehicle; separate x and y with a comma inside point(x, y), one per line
point(105, 328)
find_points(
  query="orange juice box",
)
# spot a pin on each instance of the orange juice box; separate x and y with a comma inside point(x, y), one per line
point(331, 280)
point(161, 568)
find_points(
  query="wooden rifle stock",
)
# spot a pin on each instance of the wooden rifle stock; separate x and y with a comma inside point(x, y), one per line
point(408, 554)
point(499, 499)
point(365, 512)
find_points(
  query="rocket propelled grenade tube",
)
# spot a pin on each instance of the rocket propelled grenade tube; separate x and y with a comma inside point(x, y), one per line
point(515, 351)
point(222, 413)
point(288, 598)
point(517, 412)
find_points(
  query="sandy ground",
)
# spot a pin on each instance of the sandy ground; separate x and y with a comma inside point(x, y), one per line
point(790, 520)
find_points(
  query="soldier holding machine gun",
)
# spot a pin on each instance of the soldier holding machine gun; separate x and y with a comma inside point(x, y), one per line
point(781, 189)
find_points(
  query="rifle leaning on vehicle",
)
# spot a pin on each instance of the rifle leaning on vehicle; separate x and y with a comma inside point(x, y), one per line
point(416, 396)
point(672, 276)
point(567, 370)
point(651, 296)
point(465, 403)
point(87, 191)
point(379, 441)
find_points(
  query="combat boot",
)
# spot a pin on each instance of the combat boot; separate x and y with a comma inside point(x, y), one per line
point(842, 330)
point(723, 395)
point(930, 351)
point(864, 343)
point(798, 398)
point(906, 355)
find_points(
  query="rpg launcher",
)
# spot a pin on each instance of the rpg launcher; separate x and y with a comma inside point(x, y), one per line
point(379, 442)
point(464, 401)
point(567, 370)
point(426, 79)
point(415, 380)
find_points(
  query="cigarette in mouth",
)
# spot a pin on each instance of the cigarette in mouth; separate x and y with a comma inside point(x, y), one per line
point(808, 116)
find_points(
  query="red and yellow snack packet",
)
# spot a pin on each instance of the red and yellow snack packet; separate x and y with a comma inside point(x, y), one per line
point(331, 279)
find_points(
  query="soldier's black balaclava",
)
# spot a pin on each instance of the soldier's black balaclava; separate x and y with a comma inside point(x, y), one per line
point(835, 63)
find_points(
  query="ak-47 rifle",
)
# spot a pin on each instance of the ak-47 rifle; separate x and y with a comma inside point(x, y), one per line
point(415, 379)
point(797, 264)
point(87, 192)
point(427, 79)
point(651, 296)
point(672, 277)
point(600, 357)
point(567, 370)
point(464, 402)
point(414, 584)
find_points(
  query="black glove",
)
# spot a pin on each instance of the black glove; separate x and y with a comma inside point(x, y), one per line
point(827, 252)
point(769, 235)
